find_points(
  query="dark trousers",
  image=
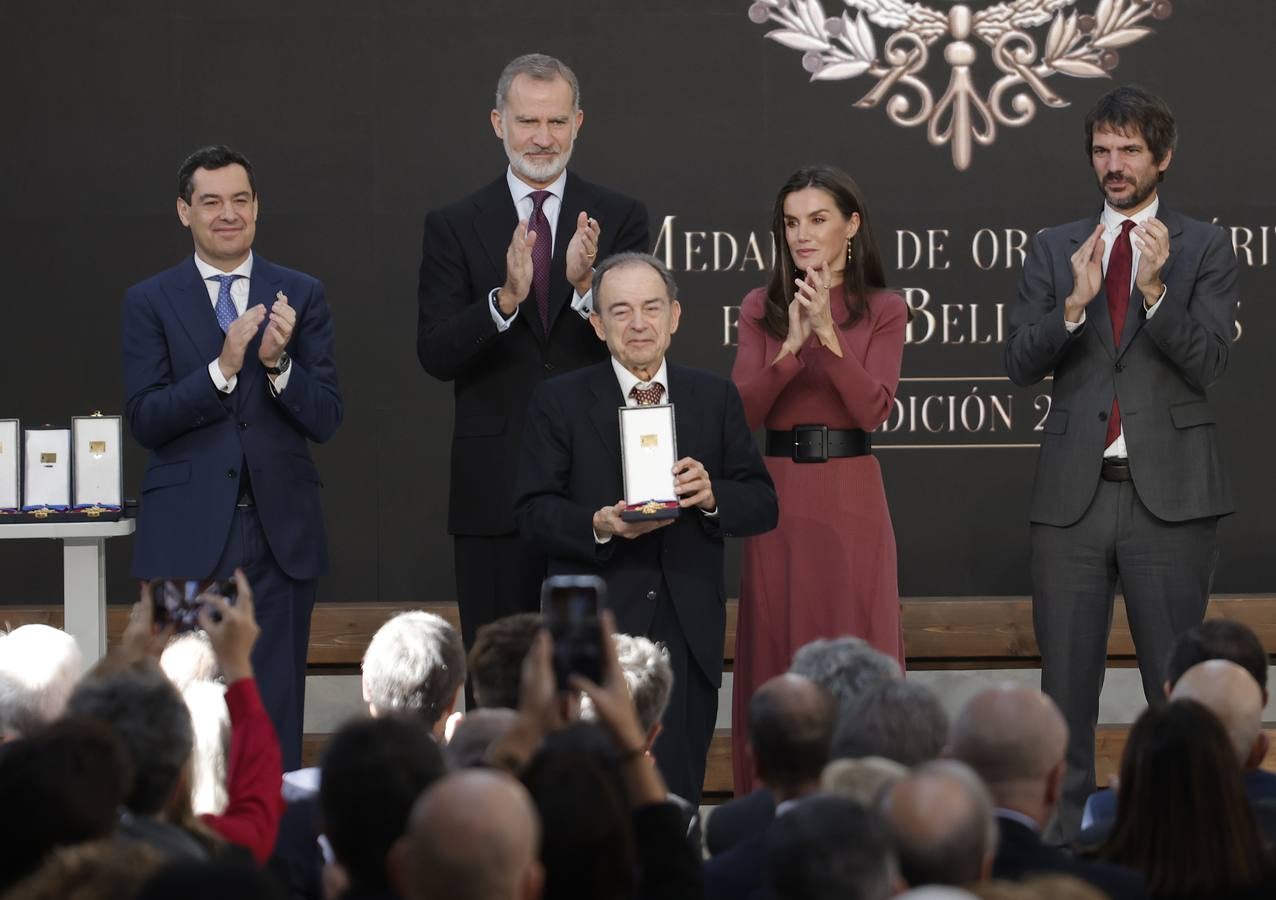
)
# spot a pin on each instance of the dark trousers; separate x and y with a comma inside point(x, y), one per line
point(495, 577)
point(283, 606)
point(1165, 570)
point(688, 723)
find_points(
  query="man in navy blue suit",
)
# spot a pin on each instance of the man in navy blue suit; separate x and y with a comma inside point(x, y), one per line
point(228, 373)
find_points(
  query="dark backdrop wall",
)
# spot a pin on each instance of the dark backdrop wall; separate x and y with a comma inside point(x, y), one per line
point(360, 116)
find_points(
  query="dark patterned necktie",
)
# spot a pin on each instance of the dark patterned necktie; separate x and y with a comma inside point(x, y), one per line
point(225, 308)
point(1116, 285)
point(649, 395)
point(542, 255)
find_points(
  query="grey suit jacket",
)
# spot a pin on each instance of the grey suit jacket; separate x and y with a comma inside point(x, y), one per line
point(1160, 373)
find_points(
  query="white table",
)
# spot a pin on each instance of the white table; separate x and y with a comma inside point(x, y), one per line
point(83, 575)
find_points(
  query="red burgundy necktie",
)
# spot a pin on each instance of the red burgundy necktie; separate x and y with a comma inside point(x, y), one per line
point(542, 255)
point(649, 395)
point(1116, 284)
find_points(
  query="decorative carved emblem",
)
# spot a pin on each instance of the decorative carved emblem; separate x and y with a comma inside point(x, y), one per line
point(845, 46)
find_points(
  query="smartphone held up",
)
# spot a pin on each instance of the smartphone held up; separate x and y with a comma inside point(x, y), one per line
point(569, 608)
point(178, 601)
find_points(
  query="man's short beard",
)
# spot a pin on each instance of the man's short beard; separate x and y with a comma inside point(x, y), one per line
point(1137, 196)
point(542, 173)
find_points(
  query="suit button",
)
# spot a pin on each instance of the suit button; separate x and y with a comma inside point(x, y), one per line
point(1120, 368)
point(243, 425)
point(1103, 417)
point(231, 473)
point(549, 367)
point(651, 595)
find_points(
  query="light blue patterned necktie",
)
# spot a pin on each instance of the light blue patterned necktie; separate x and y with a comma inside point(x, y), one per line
point(225, 306)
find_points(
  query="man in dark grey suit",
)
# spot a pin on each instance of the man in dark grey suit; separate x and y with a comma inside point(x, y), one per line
point(1132, 311)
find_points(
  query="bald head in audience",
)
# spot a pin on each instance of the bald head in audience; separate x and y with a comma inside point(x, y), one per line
point(1231, 694)
point(791, 721)
point(473, 835)
point(941, 822)
point(1015, 739)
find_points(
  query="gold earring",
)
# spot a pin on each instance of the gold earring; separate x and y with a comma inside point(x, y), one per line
point(849, 255)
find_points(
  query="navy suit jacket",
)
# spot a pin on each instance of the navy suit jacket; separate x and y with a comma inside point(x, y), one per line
point(570, 467)
point(199, 438)
point(1021, 854)
point(493, 373)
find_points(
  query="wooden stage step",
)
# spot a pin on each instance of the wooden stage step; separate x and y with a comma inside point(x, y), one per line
point(939, 632)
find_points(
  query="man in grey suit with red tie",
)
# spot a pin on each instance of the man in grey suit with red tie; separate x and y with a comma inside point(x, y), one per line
point(1133, 312)
point(504, 301)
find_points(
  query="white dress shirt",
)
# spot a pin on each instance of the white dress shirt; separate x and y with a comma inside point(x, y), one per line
point(521, 194)
point(238, 296)
point(1112, 220)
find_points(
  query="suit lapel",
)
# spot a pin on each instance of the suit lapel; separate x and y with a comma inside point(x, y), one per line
point(1135, 317)
point(261, 292)
point(1096, 313)
point(575, 201)
point(188, 297)
point(688, 409)
point(495, 218)
point(603, 410)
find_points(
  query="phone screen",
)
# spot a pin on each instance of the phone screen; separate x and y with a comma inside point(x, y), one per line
point(569, 606)
point(177, 600)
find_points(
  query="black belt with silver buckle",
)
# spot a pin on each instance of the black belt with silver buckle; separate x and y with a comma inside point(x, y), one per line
point(818, 443)
point(1115, 470)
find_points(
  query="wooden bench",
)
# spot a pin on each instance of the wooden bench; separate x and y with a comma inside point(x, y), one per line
point(952, 633)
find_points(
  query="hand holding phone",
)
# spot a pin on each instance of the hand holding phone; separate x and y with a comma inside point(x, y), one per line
point(569, 607)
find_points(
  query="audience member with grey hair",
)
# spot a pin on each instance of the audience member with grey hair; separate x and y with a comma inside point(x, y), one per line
point(649, 677)
point(846, 667)
point(830, 848)
point(941, 824)
point(473, 835)
point(1015, 739)
point(899, 720)
point(862, 780)
point(39, 667)
point(414, 665)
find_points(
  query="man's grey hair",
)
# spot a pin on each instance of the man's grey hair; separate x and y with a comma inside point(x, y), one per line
point(541, 68)
point(415, 664)
point(846, 667)
point(648, 675)
point(144, 708)
point(39, 667)
point(941, 821)
point(899, 720)
point(633, 258)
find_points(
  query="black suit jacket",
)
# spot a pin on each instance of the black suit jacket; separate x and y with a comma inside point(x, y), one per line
point(494, 373)
point(1020, 854)
point(570, 467)
point(738, 819)
point(1160, 373)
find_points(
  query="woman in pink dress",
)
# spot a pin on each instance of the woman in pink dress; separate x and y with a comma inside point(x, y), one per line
point(818, 364)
